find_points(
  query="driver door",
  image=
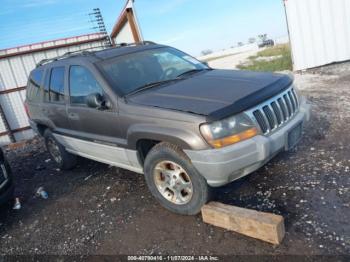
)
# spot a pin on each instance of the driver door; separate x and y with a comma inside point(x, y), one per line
point(90, 124)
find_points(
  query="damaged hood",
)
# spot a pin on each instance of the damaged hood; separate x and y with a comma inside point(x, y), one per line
point(216, 93)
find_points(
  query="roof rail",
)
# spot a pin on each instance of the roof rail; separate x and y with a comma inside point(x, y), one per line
point(87, 52)
point(136, 44)
point(69, 54)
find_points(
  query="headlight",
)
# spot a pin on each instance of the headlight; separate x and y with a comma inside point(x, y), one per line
point(229, 131)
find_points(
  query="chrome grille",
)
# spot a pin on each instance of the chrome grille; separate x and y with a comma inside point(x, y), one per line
point(276, 112)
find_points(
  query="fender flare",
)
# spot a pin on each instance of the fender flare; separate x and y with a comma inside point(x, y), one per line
point(183, 138)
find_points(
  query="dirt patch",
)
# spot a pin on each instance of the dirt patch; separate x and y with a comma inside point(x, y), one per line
point(231, 61)
point(97, 209)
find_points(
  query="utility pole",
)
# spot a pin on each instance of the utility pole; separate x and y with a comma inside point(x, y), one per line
point(96, 19)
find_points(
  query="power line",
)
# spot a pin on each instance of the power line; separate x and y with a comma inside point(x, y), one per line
point(39, 37)
point(42, 30)
point(46, 29)
point(98, 23)
point(49, 22)
point(20, 21)
point(46, 33)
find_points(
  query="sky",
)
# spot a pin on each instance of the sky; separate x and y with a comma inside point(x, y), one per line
point(190, 25)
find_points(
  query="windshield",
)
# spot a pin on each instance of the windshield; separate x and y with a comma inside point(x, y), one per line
point(133, 71)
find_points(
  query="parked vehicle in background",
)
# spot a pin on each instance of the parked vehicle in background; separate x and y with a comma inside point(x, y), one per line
point(155, 110)
point(6, 183)
point(266, 43)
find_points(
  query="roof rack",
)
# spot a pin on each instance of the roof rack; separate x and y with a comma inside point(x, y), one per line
point(135, 44)
point(86, 51)
point(69, 54)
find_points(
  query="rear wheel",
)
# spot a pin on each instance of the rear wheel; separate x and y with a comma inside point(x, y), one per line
point(58, 153)
point(174, 181)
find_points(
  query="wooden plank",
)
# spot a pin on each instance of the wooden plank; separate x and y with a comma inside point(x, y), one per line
point(15, 130)
point(17, 89)
point(264, 226)
point(17, 145)
point(21, 129)
point(131, 19)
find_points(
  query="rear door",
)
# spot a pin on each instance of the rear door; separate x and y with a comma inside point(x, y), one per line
point(55, 100)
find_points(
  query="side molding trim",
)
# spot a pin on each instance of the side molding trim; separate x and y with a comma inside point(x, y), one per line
point(112, 155)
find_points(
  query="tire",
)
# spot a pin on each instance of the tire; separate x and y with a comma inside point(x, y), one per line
point(59, 154)
point(162, 162)
point(7, 195)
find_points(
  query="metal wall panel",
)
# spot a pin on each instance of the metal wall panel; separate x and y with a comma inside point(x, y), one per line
point(12, 104)
point(319, 31)
point(2, 125)
point(5, 140)
point(15, 67)
point(24, 135)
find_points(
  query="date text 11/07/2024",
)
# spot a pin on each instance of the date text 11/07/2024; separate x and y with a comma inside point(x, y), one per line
point(173, 258)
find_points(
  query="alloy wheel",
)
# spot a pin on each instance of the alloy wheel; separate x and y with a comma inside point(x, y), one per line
point(173, 182)
point(54, 150)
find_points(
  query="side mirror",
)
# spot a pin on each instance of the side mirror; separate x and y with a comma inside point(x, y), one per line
point(95, 100)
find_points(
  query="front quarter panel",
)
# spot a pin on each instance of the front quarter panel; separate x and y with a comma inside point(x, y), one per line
point(179, 128)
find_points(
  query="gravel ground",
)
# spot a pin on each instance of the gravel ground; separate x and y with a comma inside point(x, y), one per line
point(97, 209)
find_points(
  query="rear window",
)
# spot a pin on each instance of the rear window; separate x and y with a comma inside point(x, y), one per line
point(34, 84)
point(56, 92)
point(54, 85)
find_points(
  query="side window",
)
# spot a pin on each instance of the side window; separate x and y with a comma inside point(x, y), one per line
point(56, 92)
point(82, 83)
point(34, 83)
point(46, 85)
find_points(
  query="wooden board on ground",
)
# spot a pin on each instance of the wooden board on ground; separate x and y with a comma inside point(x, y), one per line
point(264, 226)
point(17, 145)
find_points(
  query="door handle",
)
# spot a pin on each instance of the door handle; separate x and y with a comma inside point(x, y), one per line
point(73, 116)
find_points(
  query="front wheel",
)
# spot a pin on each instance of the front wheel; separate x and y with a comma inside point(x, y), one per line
point(174, 181)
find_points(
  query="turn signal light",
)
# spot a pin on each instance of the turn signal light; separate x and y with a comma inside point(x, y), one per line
point(226, 141)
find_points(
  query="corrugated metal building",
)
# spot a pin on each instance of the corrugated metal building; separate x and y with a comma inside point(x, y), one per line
point(319, 31)
point(15, 66)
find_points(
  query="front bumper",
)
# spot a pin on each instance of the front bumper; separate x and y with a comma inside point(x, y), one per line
point(222, 166)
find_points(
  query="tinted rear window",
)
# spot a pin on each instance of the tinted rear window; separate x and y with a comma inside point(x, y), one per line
point(57, 85)
point(33, 87)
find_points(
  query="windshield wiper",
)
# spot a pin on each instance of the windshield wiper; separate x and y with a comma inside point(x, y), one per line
point(193, 71)
point(151, 85)
point(154, 84)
